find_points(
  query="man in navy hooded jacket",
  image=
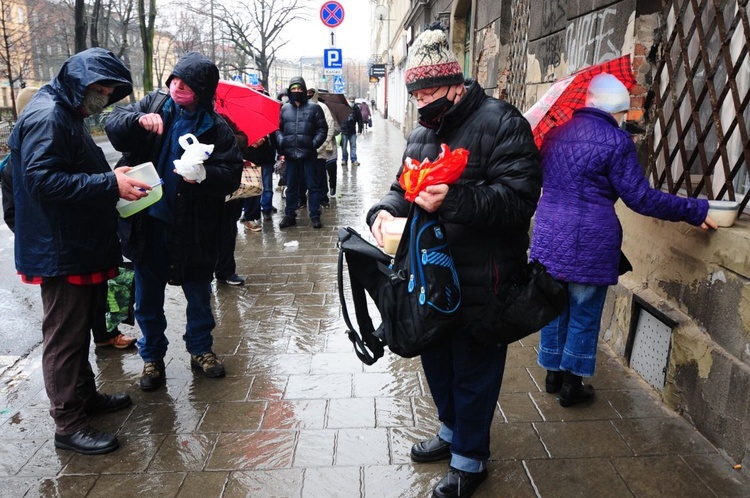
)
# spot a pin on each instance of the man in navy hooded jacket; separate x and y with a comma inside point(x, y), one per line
point(66, 233)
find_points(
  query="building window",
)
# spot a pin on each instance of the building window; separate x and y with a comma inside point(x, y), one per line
point(701, 90)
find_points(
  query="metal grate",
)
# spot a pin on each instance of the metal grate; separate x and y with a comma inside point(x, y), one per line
point(699, 142)
point(515, 91)
point(651, 345)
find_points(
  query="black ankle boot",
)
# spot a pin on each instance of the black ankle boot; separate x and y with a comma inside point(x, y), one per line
point(554, 380)
point(574, 390)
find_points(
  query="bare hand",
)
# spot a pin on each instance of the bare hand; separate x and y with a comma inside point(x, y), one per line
point(152, 122)
point(130, 189)
point(432, 197)
point(709, 223)
point(377, 224)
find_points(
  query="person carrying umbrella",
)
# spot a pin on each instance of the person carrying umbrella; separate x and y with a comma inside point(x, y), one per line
point(589, 163)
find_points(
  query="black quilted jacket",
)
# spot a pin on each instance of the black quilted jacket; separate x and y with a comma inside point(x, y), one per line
point(487, 211)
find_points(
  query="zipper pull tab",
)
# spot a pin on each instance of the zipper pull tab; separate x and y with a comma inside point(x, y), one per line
point(411, 283)
point(424, 256)
point(421, 296)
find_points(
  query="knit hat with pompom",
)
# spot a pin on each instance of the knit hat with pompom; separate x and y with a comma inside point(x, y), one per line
point(431, 62)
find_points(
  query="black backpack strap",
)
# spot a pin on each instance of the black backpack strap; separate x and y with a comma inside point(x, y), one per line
point(367, 346)
point(360, 341)
point(158, 102)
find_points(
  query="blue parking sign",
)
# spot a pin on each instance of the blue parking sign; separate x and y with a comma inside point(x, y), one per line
point(332, 58)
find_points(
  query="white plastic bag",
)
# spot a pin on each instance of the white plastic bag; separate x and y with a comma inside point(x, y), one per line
point(190, 165)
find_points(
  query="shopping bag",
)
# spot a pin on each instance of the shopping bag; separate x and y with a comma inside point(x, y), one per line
point(251, 183)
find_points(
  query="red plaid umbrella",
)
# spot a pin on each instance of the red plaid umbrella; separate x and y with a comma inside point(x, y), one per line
point(255, 114)
point(569, 93)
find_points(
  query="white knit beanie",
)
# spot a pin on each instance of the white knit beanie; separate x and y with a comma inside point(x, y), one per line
point(608, 94)
point(431, 62)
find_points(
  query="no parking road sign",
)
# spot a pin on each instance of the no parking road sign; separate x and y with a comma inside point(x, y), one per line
point(332, 14)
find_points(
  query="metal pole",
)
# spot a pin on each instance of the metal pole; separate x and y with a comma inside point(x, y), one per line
point(213, 42)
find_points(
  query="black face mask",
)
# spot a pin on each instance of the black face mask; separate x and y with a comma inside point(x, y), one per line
point(431, 114)
point(297, 97)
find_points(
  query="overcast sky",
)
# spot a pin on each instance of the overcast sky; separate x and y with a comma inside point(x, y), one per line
point(309, 38)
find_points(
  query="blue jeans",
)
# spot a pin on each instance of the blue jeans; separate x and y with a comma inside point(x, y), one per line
point(465, 378)
point(352, 141)
point(294, 170)
point(266, 198)
point(569, 341)
point(151, 274)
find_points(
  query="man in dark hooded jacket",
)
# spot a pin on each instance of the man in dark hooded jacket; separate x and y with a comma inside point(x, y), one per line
point(66, 233)
point(175, 240)
point(302, 130)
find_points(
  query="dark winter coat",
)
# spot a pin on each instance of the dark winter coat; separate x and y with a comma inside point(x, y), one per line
point(64, 190)
point(199, 206)
point(589, 163)
point(303, 129)
point(487, 211)
point(353, 123)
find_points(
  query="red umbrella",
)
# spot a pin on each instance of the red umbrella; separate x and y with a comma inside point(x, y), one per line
point(255, 114)
point(568, 94)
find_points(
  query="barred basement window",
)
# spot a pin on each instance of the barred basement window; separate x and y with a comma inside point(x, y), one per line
point(700, 145)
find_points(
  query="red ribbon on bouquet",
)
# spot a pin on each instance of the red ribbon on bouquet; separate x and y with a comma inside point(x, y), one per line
point(447, 168)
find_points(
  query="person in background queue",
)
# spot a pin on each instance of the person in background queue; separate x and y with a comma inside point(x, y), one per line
point(302, 130)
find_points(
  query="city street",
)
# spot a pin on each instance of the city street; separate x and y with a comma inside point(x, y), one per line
point(299, 415)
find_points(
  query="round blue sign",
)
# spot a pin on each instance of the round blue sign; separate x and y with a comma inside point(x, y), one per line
point(332, 14)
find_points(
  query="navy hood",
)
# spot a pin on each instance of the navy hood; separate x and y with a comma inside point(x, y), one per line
point(200, 74)
point(95, 65)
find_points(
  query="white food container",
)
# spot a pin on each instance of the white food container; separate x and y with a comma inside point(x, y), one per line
point(724, 213)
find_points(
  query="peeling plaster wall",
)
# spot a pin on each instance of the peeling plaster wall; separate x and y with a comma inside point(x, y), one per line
point(567, 36)
point(701, 280)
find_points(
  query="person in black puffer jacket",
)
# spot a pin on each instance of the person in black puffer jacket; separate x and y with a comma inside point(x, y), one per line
point(175, 240)
point(486, 214)
point(302, 130)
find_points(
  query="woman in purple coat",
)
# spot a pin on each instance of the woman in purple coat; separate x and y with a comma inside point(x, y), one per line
point(588, 163)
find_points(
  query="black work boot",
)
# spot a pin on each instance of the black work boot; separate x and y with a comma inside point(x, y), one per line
point(458, 483)
point(554, 381)
point(574, 390)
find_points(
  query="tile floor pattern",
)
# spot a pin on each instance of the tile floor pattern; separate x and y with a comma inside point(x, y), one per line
point(298, 415)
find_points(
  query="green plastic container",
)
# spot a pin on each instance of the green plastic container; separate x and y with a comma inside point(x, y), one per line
point(147, 174)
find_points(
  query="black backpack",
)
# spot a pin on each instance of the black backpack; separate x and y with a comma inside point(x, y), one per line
point(416, 291)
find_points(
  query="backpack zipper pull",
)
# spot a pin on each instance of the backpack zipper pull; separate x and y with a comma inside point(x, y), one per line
point(411, 283)
point(424, 256)
point(421, 296)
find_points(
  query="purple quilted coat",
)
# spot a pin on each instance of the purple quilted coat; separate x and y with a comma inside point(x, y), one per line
point(587, 164)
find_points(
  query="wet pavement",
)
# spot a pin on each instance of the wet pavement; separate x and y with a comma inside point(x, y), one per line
point(298, 415)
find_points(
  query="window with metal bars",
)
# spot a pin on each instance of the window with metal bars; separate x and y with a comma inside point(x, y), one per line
point(699, 143)
point(515, 91)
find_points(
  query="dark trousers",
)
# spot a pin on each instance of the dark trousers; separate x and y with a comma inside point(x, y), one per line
point(331, 169)
point(465, 378)
point(320, 171)
point(226, 266)
point(294, 171)
point(69, 313)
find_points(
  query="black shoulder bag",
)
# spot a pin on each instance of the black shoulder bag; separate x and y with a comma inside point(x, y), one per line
point(417, 291)
point(524, 303)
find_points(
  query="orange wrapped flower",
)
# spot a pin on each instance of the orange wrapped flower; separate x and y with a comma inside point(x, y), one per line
point(447, 168)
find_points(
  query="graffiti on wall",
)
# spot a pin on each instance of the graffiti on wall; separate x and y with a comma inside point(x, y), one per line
point(589, 39)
